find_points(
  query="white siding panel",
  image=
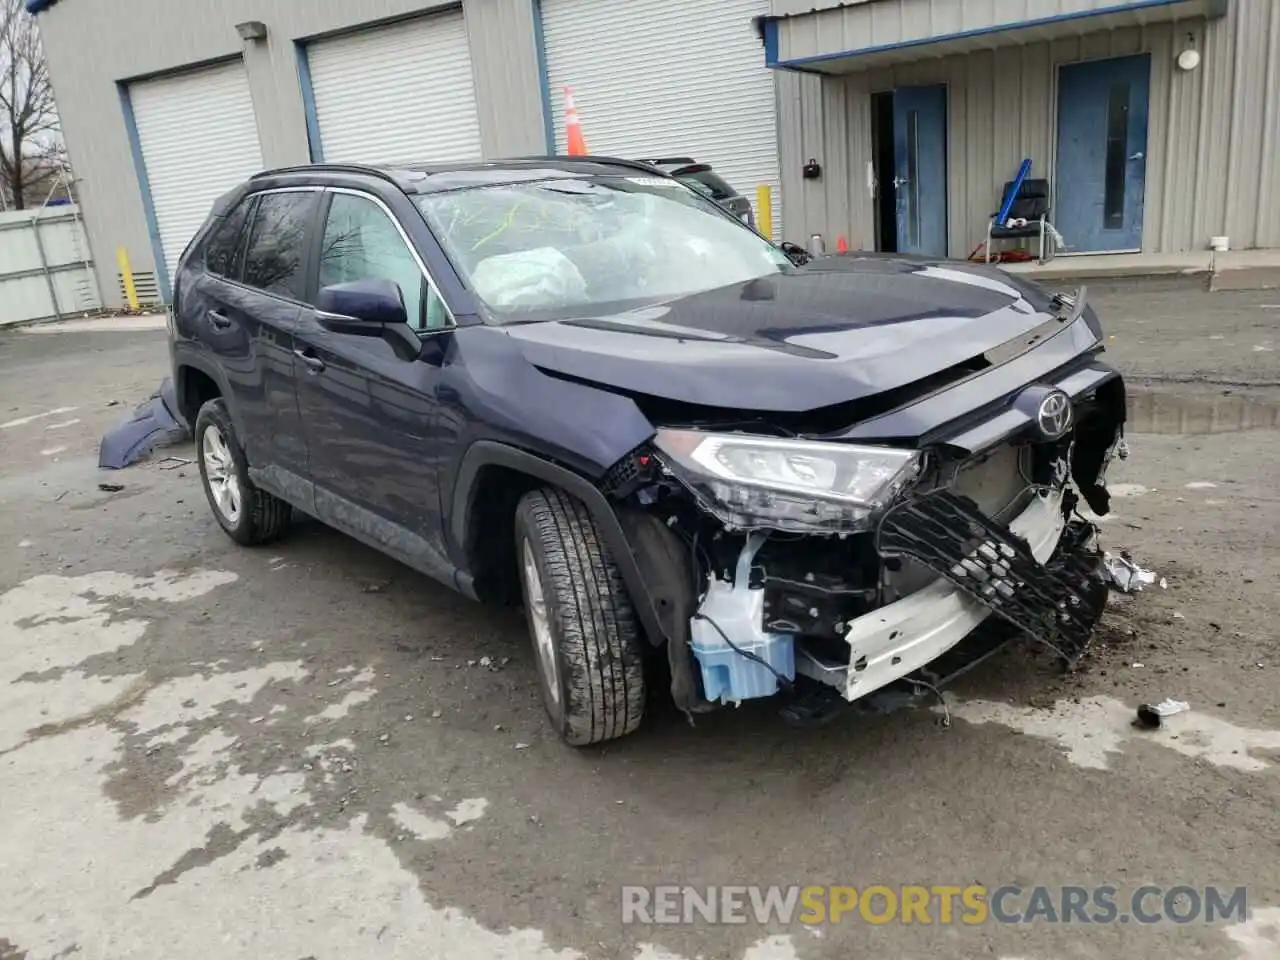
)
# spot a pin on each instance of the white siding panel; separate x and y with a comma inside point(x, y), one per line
point(655, 79)
point(402, 93)
point(199, 139)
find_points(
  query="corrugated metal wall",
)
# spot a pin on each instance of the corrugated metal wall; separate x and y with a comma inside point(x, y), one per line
point(93, 44)
point(1213, 145)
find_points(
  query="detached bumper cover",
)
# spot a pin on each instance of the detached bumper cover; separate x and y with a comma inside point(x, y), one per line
point(900, 638)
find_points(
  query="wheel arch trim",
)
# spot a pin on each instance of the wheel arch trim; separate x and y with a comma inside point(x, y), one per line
point(487, 453)
point(194, 361)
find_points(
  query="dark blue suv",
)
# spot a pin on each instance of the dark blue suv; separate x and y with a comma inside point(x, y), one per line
point(692, 455)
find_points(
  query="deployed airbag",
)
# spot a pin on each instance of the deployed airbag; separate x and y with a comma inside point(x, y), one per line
point(531, 279)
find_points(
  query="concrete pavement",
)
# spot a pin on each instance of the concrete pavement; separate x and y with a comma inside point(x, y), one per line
point(307, 750)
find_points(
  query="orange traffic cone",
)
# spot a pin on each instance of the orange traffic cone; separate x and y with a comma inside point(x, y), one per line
point(573, 126)
point(842, 245)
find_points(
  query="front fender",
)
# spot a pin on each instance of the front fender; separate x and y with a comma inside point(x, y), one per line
point(486, 453)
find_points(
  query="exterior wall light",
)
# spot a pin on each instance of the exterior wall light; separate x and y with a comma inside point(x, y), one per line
point(252, 30)
point(1189, 58)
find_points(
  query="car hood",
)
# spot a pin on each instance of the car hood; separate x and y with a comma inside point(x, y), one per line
point(837, 330)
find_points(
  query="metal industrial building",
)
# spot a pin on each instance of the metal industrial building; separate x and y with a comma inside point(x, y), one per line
point(890, 122)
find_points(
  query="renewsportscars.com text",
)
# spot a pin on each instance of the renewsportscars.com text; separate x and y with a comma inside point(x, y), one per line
point(969, 904)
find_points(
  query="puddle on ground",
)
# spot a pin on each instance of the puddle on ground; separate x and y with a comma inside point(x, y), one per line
point(1153, 412)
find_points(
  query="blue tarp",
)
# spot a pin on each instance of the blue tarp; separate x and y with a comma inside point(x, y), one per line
point(39, 6)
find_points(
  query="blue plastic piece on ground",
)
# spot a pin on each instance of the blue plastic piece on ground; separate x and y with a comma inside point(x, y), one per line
point(157, 422)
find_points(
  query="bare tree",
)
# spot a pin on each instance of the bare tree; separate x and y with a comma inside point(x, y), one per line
point(30, 145)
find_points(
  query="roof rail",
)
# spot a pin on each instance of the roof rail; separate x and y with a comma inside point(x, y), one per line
point(645, 165)
point(361, 168)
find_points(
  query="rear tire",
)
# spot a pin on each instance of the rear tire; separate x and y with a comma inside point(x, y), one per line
point(249, 516)
point(585, 635)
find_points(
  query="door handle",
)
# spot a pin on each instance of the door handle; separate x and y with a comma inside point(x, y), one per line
point(314, 363)
point(1138, 156)
point(219, 320)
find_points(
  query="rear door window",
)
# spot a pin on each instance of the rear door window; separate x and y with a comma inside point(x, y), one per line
point(220, 250)
point(276, 256)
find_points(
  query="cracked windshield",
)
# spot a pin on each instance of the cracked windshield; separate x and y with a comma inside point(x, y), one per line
point(574, 243)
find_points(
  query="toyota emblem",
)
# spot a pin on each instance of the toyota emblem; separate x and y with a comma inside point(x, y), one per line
point(1054, 415)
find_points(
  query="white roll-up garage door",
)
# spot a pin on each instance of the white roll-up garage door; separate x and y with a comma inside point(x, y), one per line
point(652, 78)
point(199, 138)
point(402, 93)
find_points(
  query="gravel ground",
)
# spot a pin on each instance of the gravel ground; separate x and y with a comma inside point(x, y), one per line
point(308, 751)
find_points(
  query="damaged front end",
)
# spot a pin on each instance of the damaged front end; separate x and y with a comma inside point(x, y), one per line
point(775, 561)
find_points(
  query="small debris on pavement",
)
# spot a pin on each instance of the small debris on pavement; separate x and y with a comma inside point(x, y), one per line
point(1150, 715)
point(500, 728)
point(486, 661)
point(384, 738)
point(111, 487)
point(1127, 576)
point(1138, 666)
point(1178, 616)
point(436, 714)
point(522, 746)
point(377, 587)
point(408, 717)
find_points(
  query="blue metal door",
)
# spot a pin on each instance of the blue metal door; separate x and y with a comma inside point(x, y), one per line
point(920, 169)
point(1102, 153)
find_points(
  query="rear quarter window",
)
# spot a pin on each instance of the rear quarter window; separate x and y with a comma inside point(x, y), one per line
point(220, 249)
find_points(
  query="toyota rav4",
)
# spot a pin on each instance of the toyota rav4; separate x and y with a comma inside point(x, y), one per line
point(699, 460)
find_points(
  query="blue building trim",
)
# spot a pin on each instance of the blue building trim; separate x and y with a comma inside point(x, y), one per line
point(315, 147)
point(800, 63)
point(770, 41)
point(140, 168)
point(544, 78)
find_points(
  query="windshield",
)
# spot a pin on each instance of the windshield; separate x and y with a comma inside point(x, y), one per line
point(570, 246)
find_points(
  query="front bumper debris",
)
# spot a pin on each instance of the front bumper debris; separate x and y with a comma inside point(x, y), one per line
point(1056, 603)
point(901, 638)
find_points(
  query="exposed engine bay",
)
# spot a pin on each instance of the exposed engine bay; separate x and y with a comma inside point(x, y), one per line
point(785, 560)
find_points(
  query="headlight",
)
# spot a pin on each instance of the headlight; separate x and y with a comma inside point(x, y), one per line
point(803, 485)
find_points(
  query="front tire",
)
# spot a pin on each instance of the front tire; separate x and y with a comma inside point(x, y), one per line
point(584, 630)
point(249, 516)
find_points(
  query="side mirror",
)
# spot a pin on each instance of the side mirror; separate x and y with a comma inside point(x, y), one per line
point(795, 253)
point(362, 307)
point(369, 308)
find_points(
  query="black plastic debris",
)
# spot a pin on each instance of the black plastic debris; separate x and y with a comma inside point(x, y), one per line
point(156, 423)
point(1057, 603)
point(111, 487)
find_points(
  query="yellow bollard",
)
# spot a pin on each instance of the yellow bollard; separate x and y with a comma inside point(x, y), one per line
point(764, 210)
point(126, 274)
